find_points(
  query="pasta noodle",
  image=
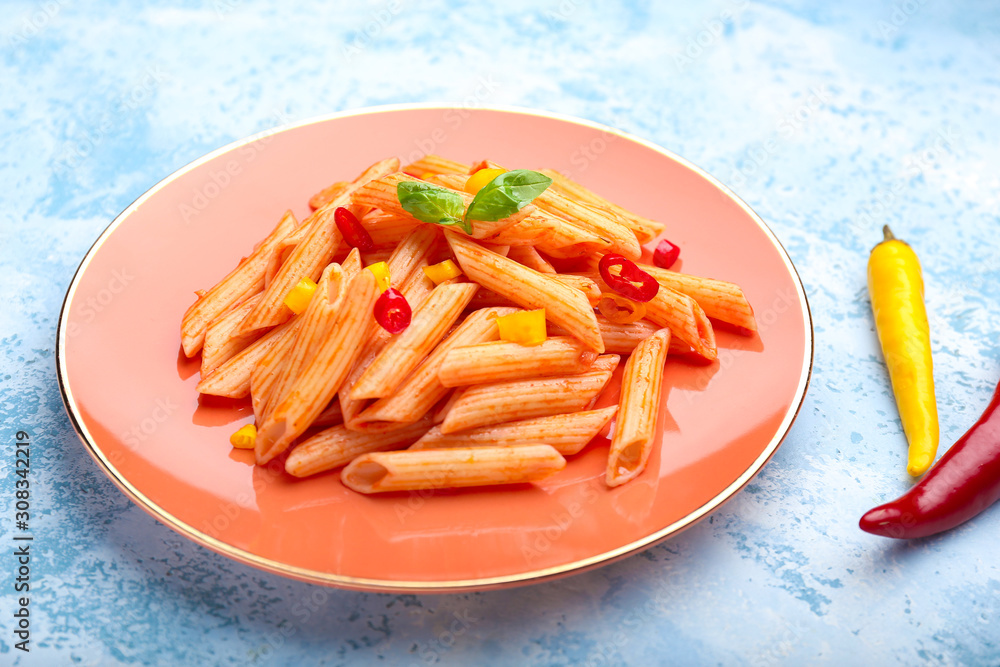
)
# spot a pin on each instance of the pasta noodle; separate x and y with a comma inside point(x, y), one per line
point(331, 387)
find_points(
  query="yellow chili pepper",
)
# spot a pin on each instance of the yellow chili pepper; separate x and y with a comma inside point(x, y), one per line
point(897, 293)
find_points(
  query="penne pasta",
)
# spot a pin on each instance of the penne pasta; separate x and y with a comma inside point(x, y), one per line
point(232, 379)
point(242, 282)
point(331, 387)
point(500, 361)
point(681, 314)
point(386, 229)
point(267, 372)
point(599, 221)
point(418, 393)
point(337, 446)
point(221, 341)
point(381, 193)
point(720, 300)
point(328, 194)
point(312, 253)
point(435, 164)
point(685, 319)
point(528, 256)
point(451, 468)
point(570, 240)
point(638, 405)
point(644, 229)
point(589, 288)
point(567, 433)
point(331, 416)
point(405, 351)
point(332, 349)
point(281, 368)
point(495, 403)
point(564, 305)
point(406, 260)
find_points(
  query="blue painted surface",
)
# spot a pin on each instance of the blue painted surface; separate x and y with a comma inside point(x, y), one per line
point(829, 120)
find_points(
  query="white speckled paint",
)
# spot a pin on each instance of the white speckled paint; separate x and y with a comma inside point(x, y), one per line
point(829, 121)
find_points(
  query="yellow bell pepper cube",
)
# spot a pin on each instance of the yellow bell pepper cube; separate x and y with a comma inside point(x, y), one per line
point(526, 327)
point(442, 271)
point(381, 271)
point(480, 179)
point(245, 438)
point(299, 296)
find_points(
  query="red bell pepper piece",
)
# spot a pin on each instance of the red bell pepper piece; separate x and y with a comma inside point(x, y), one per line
point(963, 483)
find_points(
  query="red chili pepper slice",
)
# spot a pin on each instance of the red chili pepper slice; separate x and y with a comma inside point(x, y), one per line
point(392, 311)
point(629, 280)
point(666, 254)
point(355, 235)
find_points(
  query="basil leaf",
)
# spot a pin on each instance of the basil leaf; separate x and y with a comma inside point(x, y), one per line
point(433, 204)
point(507, 194)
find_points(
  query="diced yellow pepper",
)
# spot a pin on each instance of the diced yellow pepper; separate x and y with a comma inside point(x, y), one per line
point(442, 271)
point(526, 327)
point(299, 296)
point(245, 438)
point(381, 271)
point(481, 178)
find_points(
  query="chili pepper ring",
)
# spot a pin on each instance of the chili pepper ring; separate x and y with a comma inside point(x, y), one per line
point(897, 295)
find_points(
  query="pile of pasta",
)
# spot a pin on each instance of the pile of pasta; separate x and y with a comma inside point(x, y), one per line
point(445, 403)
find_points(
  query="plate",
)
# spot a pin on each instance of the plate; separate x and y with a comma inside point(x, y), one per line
point(131, 394)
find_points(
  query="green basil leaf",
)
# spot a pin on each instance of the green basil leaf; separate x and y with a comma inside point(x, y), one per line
point(433, 204)
point(507, 194)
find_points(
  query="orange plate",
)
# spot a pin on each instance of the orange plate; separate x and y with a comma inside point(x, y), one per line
point(131, 394)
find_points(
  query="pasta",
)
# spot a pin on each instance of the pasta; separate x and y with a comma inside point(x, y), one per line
point(638, 405)
point(443, 401)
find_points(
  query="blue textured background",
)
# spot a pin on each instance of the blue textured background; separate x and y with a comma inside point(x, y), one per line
point(829, 122)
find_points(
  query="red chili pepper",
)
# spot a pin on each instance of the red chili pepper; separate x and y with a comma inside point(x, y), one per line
point(392, 311)
point(963, 483)
point(666, 254)
point(355, 235)
point(630, 281)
